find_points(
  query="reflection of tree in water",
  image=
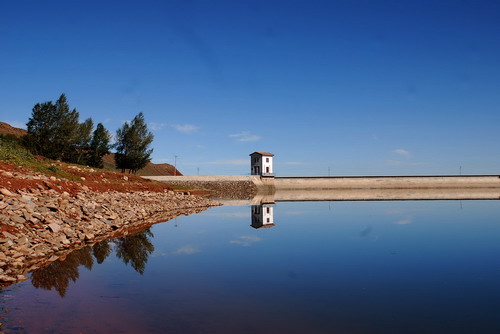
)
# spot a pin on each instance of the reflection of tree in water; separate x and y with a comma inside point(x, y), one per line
point(58, 274)
point(134, 249)
point(101, 250)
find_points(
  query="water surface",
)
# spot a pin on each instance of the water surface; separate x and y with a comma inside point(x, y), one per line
point(323, 267)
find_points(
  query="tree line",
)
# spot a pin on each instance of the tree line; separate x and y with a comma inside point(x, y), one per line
point(55, 132)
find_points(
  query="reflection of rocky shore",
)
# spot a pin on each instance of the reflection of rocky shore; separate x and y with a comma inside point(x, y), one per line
point(39, 227)
point(132, 249)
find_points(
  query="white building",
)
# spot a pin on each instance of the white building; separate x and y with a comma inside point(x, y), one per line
point(262, 216)
point(261, 163)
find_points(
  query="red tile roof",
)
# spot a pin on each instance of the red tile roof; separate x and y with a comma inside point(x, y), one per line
point(267, 154)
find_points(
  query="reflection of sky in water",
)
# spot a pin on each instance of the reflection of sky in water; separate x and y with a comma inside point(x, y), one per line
point(325, 267)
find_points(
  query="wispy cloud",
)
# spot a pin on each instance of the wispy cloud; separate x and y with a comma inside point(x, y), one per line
point(156, 126)
point(402, 152)
point(220, 162)
point(399, 163)
point(187, 250)
point(186, 128)
point(404, 221)
point(245, 136)
point(294, 163)
point(246, 240)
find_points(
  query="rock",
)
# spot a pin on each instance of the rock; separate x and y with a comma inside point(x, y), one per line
point(18, 219)
point(55, 227)
point(6, 192)
point(22, 240)
point(5, 278)
point(52, 207)
point(53, 178)
point(125, 178)
point(62, 239)
point(8, 235)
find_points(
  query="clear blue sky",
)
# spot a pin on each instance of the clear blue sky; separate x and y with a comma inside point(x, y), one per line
point(360, 87)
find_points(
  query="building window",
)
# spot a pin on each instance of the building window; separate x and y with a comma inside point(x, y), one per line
point(268, 220)
point(267, 159)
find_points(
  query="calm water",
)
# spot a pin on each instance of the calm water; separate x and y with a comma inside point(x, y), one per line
point(324, 267)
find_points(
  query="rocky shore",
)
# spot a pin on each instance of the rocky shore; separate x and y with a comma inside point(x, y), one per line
point(232, 188)
point(39, 225)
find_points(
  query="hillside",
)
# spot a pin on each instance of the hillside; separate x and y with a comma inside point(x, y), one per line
point(7, 129)
point(151, 169)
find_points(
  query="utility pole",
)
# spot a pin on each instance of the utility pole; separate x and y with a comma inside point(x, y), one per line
point(460, 170)
point(175, 165)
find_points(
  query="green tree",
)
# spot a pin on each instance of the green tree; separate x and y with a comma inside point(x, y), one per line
point(132, 145)
point(81, 143)
point(99, 146)
point(53, 129)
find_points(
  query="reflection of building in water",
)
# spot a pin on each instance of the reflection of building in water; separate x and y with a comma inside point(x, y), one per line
point(263, 215)
point(261, 163)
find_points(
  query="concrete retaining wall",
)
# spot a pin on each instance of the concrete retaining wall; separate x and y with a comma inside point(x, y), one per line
point(247, 186)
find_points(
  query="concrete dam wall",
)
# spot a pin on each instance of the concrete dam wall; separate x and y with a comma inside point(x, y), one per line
point(271, 184)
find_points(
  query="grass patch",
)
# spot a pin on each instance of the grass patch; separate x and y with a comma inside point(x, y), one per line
point(11, 152)
point(14, 153)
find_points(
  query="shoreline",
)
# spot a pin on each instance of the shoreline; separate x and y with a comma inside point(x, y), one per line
point(42, 226)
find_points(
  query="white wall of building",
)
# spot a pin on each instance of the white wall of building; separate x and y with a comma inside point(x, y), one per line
point(261, 164)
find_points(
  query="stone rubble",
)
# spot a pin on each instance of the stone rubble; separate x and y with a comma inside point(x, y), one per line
point(38, 226)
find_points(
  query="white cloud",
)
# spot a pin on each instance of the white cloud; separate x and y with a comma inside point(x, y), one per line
point(187, 250)
point(186, 128)
point(246, 240)
point(156, 126)
point(402, 152)
point(245, 136)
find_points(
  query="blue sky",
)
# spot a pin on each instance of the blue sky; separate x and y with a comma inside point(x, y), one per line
point(357, 87)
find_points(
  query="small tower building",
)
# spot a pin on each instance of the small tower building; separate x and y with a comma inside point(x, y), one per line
point(261, 163)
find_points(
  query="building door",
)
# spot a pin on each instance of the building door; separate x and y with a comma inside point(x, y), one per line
point(267, 170)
